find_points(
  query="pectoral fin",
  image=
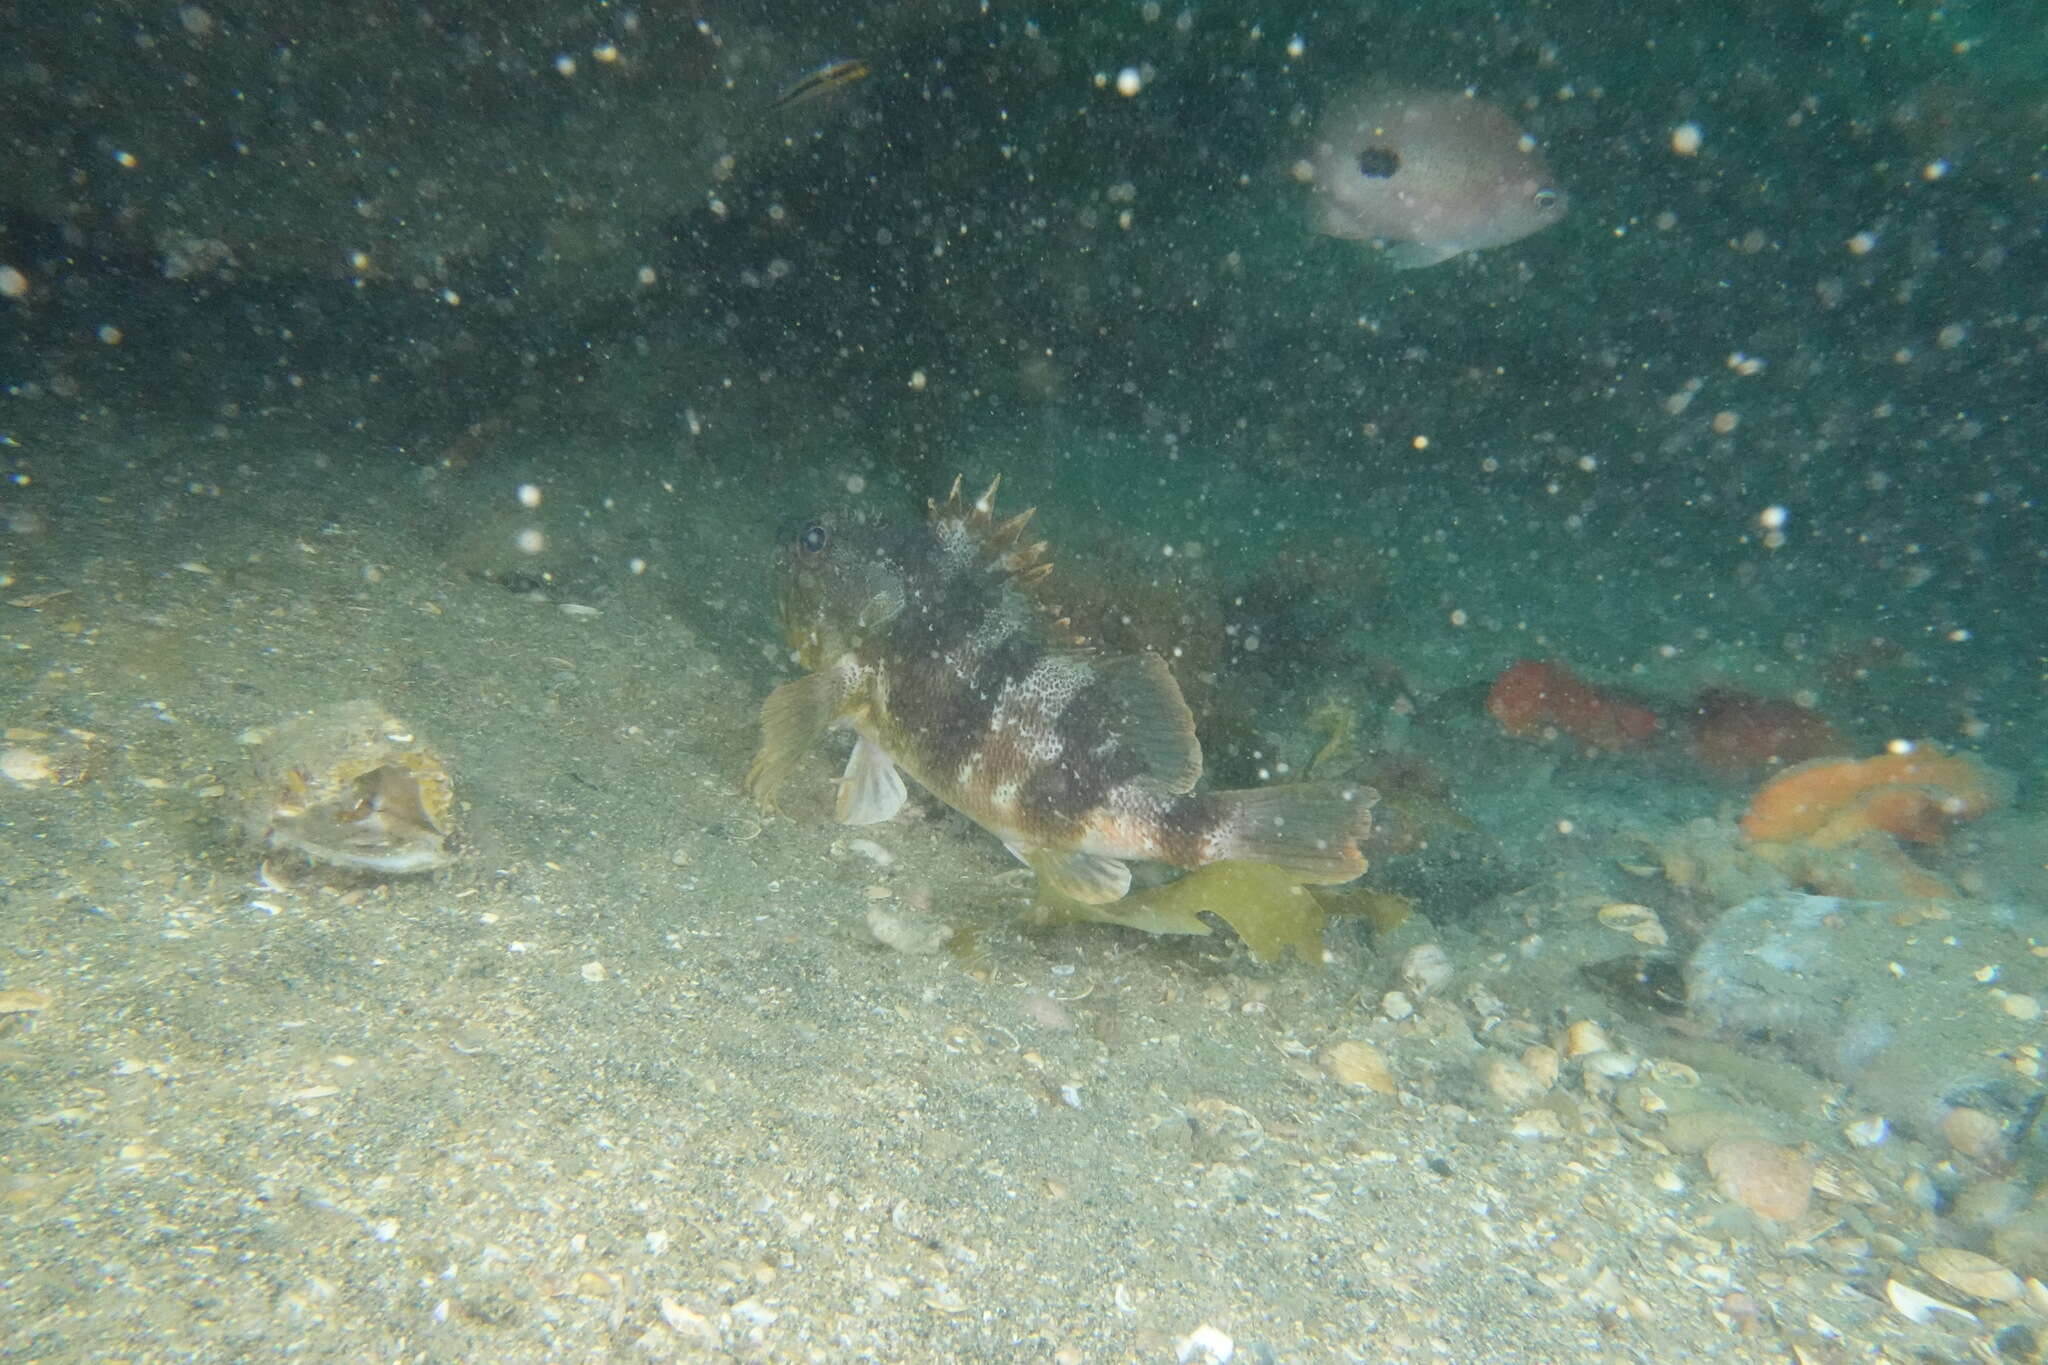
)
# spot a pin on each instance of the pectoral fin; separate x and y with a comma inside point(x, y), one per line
point(871, 790)
point(1084, 877)
point(793, 719)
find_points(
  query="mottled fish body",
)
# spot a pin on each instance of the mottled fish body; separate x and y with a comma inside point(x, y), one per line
point(1428, 175)
point(930, 640)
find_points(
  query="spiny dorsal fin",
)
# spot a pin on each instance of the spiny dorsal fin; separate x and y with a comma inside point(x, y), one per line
point(997, 544)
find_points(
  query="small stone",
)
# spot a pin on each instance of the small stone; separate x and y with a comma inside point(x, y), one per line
point(1537, 1125)
point(1397, 1006)
point(593, 971)
point(2022, 1007)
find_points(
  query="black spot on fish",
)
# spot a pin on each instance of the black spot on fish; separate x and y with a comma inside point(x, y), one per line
point(1378, 163)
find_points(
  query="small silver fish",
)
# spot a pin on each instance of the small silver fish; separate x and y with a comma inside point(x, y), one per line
point(821, 81)
point(1428, 175)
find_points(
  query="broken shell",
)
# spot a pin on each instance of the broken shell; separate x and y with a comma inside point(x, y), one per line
point(1426, 968)
point(1915, 1306)
point(1360, 1064)
point(1867, 1132)
point(1396, 1005)
point(1840, 1182)
point(345, 785)
point(1980, 1277)
point(1770, 1181)
point(1585, 1038)
point(1677, 1075)
point(1639, 922)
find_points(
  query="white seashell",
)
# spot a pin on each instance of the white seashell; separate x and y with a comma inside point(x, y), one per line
point(1868, 1132)
point(1396, 1005)
point(1205, 1346)
point(1639, 922)
point(1426, 968)
point(1915, 1306)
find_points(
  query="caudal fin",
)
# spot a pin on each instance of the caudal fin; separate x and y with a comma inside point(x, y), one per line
point(1310, 829)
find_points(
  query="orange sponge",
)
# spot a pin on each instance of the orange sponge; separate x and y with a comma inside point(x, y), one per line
point(1913, 796)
